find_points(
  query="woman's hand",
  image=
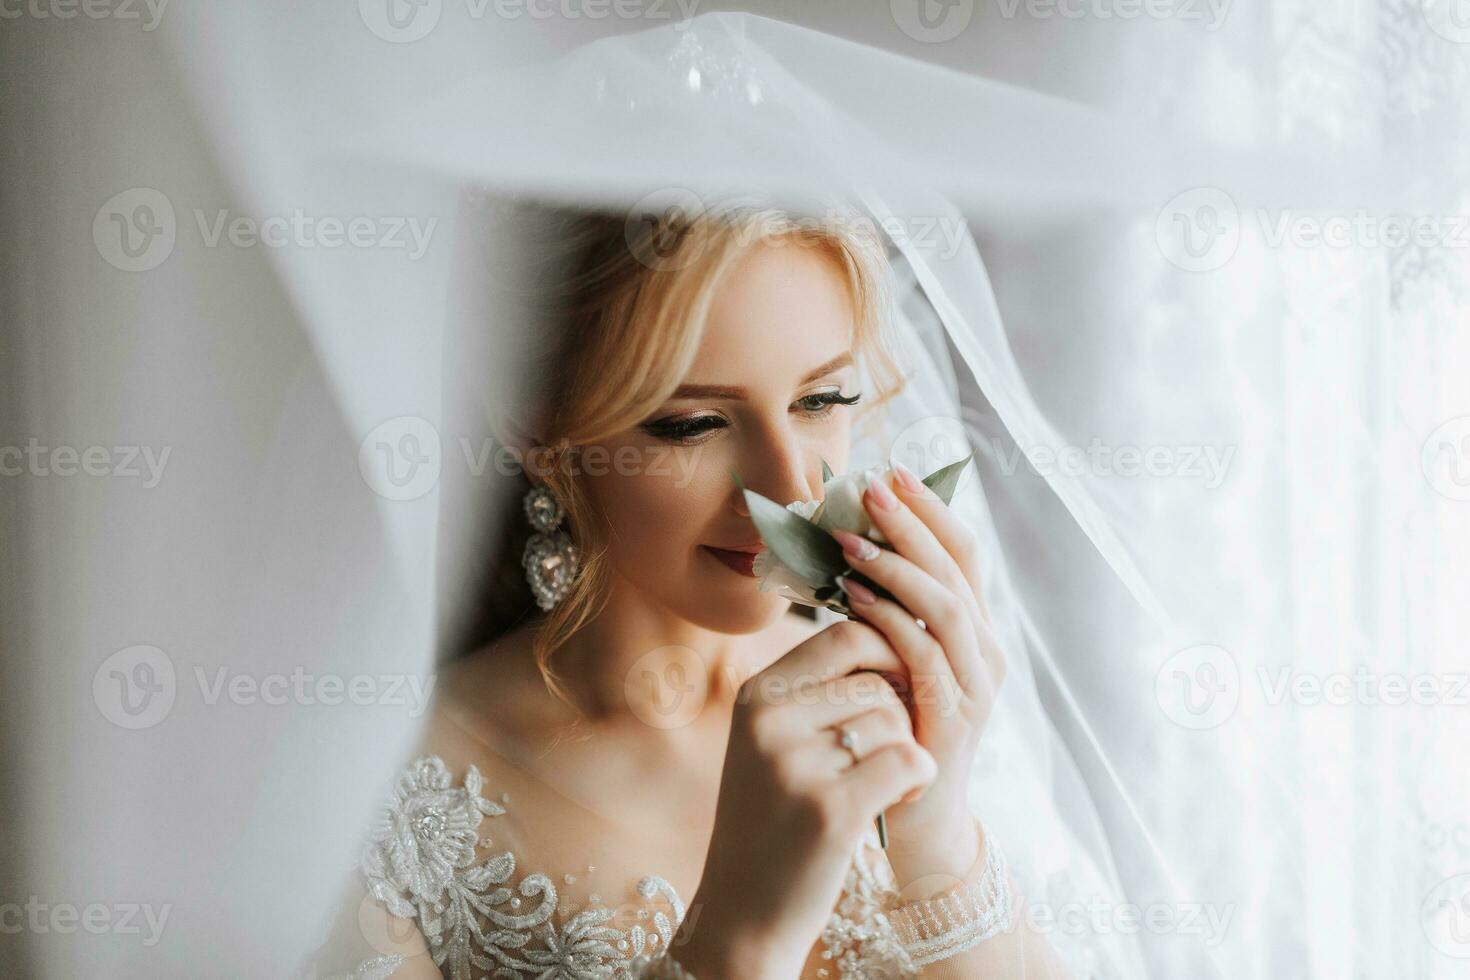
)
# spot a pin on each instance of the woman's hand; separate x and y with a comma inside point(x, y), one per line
point(794, 803)
point(953, 665)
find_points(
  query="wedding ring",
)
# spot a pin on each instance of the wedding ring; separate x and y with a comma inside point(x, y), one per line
point(848, 739)
point(921, 624)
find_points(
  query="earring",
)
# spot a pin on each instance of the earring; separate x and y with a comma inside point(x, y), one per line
point(551, 559)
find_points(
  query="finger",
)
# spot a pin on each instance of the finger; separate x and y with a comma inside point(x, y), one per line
point(834, 652)
point(888, 775)
point(822, 755)
point(910, 535)
point(951, 532)
point(928, 661)
point(946, 617)
point(991, 654)
point(845, 698)
point(871, 732)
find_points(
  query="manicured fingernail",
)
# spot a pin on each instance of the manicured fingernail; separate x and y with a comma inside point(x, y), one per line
point(881, 493)
point(910, 482)
point(860, 593)
point(856, 546)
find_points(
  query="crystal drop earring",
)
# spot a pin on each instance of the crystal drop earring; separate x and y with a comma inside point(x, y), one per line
point(551, 559)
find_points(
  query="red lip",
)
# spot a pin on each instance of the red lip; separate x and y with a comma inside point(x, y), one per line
point(741, 561)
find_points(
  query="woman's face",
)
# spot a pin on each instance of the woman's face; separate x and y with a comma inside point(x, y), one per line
point(762, 400)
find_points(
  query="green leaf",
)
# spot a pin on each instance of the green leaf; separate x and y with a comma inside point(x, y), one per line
point(796, 542)
point(826, 471)
point(946, 480)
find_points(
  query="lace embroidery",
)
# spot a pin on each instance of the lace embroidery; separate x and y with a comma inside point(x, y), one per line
point(710, 62)
point(938, 928)
point(377, 968)
point(420, 864)
point(858, 937)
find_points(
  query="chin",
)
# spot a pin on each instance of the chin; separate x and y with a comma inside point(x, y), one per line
point(739, 611)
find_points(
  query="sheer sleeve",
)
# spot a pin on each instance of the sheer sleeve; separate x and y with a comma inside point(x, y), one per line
point(974, 928)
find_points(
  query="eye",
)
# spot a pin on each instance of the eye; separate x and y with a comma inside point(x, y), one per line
point(820, 404)
point(688, 429)
point(684, 430)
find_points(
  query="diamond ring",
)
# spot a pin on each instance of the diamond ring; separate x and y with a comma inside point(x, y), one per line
point(921, 624)
point(848, 739)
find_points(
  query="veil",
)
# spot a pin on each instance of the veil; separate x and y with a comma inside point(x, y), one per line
point(326, 514)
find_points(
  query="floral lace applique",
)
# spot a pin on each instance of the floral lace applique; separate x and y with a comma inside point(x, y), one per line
point(420, 863)
point(376, 968)
point(479, 923)
point(858, 936)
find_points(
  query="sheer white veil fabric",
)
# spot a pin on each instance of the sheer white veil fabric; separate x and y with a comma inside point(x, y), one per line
point(773, 102)
point(328, 499)
point(388, 369)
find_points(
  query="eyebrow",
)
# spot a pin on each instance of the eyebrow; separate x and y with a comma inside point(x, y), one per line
point(735, 391)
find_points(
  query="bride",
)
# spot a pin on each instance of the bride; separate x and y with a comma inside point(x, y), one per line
point(656, 767)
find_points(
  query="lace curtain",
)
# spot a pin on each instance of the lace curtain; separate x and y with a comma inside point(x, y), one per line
point(1315, 799)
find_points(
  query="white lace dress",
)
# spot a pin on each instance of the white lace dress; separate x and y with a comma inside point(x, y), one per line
point(433, 858)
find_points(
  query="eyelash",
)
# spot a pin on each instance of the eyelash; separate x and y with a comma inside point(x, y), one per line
point(687, 429)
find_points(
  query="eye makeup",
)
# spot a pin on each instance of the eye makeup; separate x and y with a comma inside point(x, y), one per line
point(688, 429)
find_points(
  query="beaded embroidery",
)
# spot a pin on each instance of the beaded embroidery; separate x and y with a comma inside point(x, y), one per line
point(420, 864)
point(940, 927)
point(479, 922)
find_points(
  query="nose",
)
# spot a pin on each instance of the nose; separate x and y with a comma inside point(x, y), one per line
point(778, 466)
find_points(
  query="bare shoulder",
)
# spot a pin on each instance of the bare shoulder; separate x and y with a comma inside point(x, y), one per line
point(485, 703)
point(451, 780)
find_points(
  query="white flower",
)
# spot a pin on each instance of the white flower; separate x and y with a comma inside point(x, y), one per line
point(841, 508)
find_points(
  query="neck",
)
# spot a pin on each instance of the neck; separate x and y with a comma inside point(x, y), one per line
point(638, 661)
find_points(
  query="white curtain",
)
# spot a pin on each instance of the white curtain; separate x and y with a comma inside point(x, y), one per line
point(1325, 795)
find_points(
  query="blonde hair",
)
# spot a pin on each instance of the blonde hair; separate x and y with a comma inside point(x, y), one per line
point(630, 309)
